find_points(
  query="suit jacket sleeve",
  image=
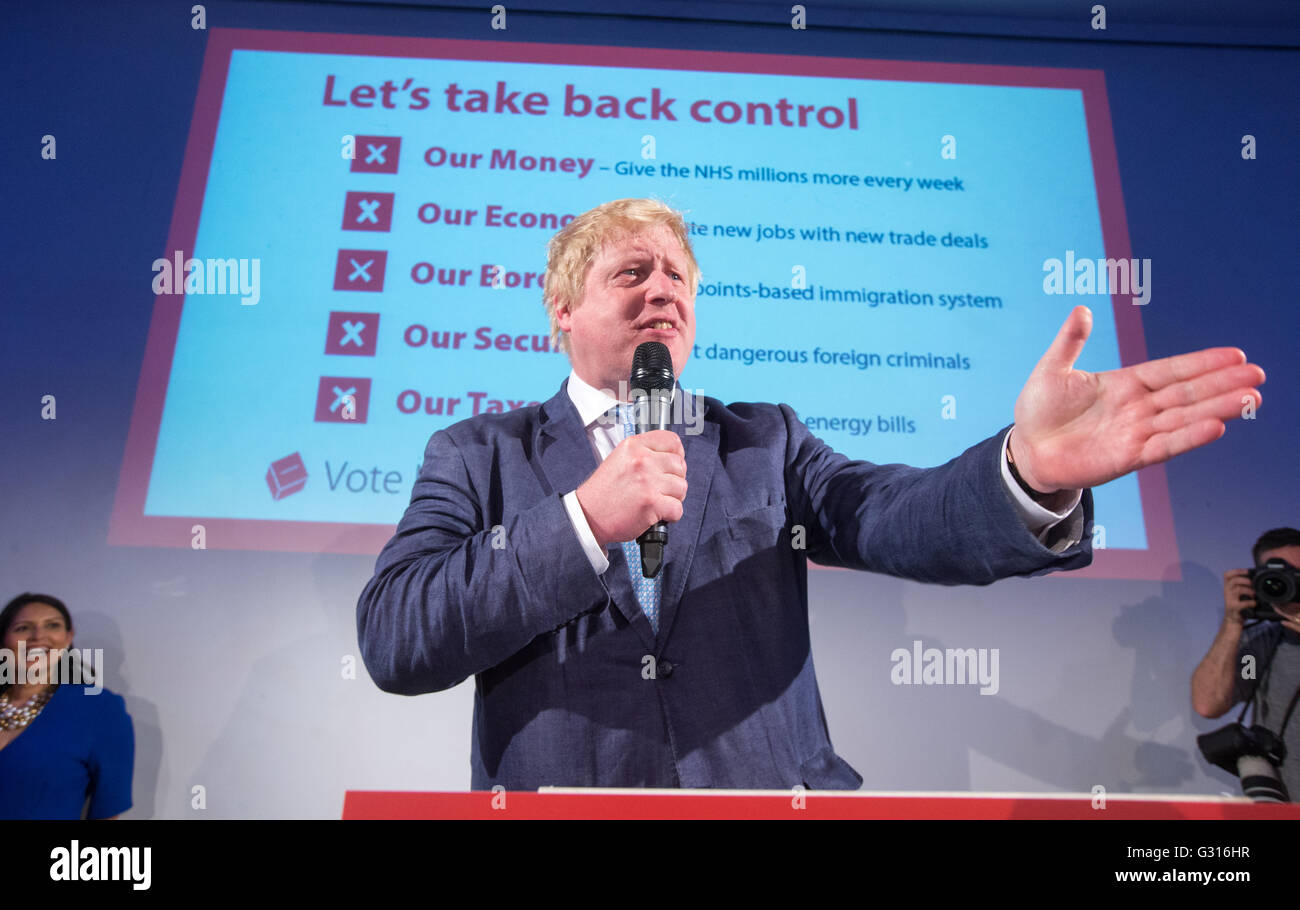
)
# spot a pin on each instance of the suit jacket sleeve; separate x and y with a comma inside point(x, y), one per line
point(951, 524)
point(454, 592)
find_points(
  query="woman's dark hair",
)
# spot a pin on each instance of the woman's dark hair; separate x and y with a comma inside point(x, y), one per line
point(10, 613)
point(11, 609)
point(1275, 539)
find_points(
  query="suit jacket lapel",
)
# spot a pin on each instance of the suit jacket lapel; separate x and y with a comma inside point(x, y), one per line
point(700, 439)
point(566, 459)
point(562, 448)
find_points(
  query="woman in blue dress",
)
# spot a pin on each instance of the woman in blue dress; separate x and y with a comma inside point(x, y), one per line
point(67, 749)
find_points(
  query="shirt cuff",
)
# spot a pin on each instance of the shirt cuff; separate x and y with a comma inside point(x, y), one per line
point(595, 555)
point(1039, 520)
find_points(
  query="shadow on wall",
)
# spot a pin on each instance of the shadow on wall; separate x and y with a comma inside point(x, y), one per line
point(1169, 634)
point(295, 727)
point(932, 730)
point(100, 631)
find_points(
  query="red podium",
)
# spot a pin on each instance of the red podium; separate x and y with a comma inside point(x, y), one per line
point(558, 803)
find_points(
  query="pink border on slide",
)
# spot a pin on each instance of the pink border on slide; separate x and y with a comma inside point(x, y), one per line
point(131, 527)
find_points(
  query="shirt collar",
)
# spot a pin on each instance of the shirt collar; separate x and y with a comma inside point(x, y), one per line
point(591, 402)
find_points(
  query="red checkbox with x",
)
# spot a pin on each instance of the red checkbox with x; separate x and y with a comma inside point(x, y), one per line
point(360, 270)
point(342, 399)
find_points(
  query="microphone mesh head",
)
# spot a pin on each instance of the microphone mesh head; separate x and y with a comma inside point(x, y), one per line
point(652, 367)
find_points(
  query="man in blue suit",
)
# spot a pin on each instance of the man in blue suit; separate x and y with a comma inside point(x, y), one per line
point(511, 563)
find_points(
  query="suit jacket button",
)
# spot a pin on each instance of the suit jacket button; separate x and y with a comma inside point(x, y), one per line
point(665, 669)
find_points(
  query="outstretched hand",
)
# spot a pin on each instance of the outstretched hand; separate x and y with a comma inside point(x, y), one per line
point(1075, 429)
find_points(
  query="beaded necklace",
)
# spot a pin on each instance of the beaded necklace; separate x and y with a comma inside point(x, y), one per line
point(15, 717)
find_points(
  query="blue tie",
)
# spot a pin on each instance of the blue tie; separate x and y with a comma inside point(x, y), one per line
point(648, 590)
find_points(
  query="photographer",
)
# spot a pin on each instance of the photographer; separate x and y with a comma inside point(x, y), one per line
point(1225, 676)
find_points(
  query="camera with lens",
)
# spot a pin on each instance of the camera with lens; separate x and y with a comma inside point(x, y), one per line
point(1276, 582)
point(1254, 754)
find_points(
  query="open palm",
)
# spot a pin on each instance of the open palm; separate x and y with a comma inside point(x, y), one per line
point(1076, 429)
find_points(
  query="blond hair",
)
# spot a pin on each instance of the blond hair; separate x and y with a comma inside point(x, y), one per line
point(573, 249)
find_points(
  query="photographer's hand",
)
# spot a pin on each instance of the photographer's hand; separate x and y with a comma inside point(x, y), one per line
point(1238, 595)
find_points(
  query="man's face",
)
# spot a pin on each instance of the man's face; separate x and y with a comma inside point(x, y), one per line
point(636, 291)
point(1292, 555)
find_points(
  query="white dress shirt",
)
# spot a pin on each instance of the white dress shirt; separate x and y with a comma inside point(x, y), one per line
point(605, 437)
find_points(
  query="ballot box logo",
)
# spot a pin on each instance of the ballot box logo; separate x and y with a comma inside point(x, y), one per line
point(368, 211)
point(352, 333)
point(342, 399)
point(286, 476)
point(376, 155)
point(360, 270)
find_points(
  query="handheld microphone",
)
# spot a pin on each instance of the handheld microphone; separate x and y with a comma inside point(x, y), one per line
point(652, 395)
